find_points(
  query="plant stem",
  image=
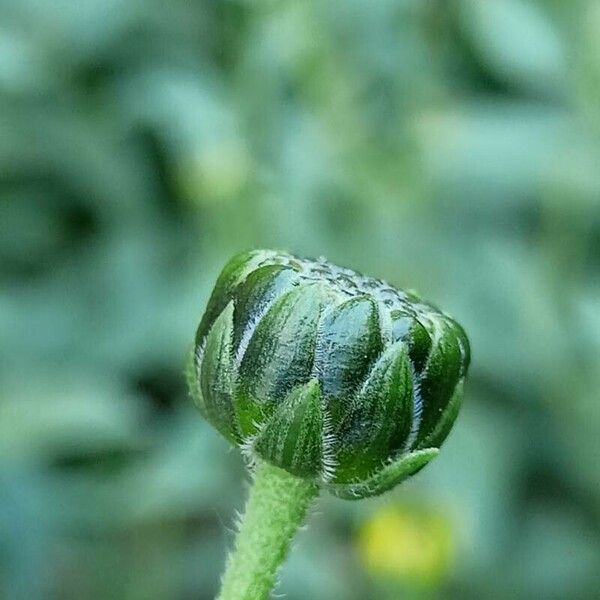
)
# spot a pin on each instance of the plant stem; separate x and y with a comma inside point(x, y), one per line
point(275, 509)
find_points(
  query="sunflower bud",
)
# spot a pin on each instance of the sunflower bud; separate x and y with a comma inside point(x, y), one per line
point(326, 373)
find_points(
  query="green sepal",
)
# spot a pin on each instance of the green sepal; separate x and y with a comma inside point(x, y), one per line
point(386, 478)
point(380, 417)
point(217, 375)
point(292, 437)
point(463, 344)
point(255, 294)
point(280, 352)
point(253, 298)
point(348, 343)
point(446, 419)
point(439, 379)
point(234, 272)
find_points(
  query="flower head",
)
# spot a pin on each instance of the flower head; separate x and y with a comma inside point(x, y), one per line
point(327, 373)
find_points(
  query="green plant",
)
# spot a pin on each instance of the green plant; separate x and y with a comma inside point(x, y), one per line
point(326, 379)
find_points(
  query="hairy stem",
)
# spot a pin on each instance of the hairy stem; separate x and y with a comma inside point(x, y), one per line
point(275, 509)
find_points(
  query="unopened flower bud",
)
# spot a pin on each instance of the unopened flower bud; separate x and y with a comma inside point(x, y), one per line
point(326, 373)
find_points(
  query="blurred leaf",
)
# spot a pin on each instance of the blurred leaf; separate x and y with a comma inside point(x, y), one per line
point(518, 41)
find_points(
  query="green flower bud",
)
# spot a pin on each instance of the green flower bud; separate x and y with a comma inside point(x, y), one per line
point(326, 373)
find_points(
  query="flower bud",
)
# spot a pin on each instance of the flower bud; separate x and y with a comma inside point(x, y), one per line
point(326, 373)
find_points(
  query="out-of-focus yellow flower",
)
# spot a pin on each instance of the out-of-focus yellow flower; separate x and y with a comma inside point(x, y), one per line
point(406, 543)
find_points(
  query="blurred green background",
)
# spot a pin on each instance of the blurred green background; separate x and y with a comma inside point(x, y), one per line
point(451, 147)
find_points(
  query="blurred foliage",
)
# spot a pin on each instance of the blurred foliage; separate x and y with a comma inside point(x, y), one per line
point(452, 147)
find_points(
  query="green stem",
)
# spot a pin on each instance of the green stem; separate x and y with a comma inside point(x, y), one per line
point(275, 509)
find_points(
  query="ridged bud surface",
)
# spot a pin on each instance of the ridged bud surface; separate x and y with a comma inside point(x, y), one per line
point(327, 373)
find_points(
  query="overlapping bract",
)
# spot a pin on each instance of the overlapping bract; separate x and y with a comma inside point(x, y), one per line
point(326, 373)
